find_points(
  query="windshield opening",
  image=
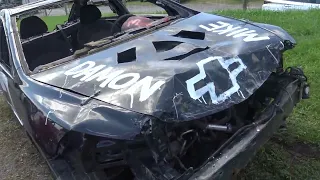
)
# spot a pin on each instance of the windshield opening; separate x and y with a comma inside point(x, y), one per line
point(57, 31)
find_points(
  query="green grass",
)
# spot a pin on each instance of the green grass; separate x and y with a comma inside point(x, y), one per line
point(52, 21)
point(274, 161)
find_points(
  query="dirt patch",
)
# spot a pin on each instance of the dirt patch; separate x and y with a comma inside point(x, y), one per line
point(19, 159)
point(299, 148)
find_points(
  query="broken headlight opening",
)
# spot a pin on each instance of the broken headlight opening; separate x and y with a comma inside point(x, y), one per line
point(177, 150)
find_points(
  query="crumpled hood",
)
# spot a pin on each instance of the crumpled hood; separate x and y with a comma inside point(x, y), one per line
point(188, 70)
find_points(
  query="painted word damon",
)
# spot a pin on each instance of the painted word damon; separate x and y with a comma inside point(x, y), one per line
point(88, 71)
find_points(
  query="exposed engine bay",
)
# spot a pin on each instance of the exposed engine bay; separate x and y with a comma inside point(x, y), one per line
point(176, 150)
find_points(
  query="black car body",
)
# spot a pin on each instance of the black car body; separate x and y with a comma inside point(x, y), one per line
point(189, 96)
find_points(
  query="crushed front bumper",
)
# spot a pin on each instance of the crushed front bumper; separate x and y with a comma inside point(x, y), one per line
point(237, 152)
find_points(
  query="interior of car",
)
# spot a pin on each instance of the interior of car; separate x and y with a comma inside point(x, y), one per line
point(85, 24)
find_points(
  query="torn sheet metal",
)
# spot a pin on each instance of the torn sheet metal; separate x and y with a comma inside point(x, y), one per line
point(95, 117)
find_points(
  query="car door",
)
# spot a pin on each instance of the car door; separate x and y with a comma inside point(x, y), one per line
point(5, 73)
point(10, 89)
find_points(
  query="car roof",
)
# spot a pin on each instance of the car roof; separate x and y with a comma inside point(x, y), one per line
point(33, 5)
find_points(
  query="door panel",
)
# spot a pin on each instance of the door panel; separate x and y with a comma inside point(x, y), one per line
point(10, 90)
point(4, 85)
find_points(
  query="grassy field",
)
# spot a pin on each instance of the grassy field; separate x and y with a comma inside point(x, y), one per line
point(292, 154)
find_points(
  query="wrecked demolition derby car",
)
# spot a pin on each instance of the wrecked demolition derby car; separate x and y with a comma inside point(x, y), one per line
point(186, 95)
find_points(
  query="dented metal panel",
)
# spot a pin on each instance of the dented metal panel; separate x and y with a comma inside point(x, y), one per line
point(191, 69)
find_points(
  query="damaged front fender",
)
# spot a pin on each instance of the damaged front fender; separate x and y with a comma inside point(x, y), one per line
point(288, 40)
point(95, 118)
point(49, 122)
